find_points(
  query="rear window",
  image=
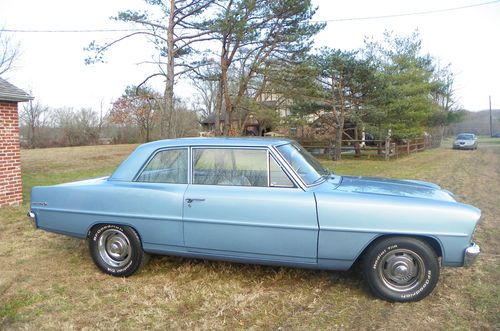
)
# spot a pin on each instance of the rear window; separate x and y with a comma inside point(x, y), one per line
point(168, 166)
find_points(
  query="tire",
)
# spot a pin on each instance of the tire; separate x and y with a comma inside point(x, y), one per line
point(116, 249)
point(401, 269)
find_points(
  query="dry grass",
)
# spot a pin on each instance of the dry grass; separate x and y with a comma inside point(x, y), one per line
point(48, 281)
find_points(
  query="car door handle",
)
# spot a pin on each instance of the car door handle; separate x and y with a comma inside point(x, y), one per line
point(190, 200)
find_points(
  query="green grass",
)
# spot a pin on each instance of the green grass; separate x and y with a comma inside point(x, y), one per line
point(59, 165)
point(48, 281)
point(488, 140)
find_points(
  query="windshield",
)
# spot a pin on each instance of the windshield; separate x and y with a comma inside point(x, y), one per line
point(465, 136)
point(308, 168)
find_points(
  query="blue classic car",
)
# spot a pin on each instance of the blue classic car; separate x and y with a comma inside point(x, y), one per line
point(265, 201)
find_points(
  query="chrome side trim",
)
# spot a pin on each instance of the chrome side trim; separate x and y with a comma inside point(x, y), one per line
point(470, 254)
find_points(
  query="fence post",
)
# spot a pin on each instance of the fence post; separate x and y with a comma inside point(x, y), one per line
point(387, 147)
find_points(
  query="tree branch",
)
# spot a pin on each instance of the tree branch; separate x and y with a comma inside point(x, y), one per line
point(146, 80)
point(102, 49)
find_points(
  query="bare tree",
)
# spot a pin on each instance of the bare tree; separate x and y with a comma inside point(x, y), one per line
point(186, 120)
point(207, 83)
point(444, 90)
point(137, 106)
point(77, 128)
point(173, 34)
point(9, 52)
point(33, 116)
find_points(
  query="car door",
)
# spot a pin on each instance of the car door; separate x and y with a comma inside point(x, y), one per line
point(241, 203)
point(158, 196)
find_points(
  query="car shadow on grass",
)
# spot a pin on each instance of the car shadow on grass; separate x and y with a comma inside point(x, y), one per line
point(222, 271)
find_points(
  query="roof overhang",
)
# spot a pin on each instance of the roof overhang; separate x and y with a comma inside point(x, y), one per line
point(14, 98)
point(9, 92)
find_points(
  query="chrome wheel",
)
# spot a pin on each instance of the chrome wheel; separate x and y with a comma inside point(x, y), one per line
point(114, 248)
point(401, 270)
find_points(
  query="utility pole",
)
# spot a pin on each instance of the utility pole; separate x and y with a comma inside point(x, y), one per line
point(491, 123)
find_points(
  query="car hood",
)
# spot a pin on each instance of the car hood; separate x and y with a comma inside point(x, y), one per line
point(463, 141)
point(393, 187)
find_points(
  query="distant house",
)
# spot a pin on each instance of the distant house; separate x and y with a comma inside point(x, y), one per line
point(10, 154)
point(324, 126)
point(319, 125)
point(249, 121)
point(209, 123)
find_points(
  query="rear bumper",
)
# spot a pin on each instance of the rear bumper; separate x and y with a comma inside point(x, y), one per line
point(470, 254)
point(32, 217)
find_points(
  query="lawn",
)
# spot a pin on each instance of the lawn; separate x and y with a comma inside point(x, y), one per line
point(48, 281)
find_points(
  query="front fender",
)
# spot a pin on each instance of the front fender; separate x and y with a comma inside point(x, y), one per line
point(349, 222)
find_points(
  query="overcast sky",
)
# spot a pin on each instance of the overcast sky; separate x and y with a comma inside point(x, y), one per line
point(52, 64)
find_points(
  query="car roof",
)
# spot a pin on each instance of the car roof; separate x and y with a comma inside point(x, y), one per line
point(217, 141)
point(129, 168)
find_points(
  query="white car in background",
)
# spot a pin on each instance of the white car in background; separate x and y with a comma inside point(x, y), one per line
point(465, 141)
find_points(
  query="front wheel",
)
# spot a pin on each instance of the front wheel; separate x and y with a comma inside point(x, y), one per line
point(401, 269)
point(116, 249)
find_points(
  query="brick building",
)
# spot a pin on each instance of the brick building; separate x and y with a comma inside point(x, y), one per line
point(10, 154)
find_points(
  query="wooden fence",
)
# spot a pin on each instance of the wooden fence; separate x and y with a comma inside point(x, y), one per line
point(370, 148)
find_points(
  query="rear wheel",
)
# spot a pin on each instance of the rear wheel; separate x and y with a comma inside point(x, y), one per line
point(116, 249)
point(401, 269)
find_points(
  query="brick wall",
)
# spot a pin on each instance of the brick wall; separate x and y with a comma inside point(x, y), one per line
point(10, 155)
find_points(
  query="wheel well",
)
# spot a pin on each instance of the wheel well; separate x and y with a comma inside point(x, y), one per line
point(103, 223)
point(436, 247)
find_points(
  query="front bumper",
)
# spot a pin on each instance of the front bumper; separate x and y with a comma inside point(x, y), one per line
point(470, 254)
point(463, 146)
point(32, 216)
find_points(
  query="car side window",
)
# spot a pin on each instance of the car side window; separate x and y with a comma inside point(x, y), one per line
point(230, 166)
point(278, 177)
point(167, 166)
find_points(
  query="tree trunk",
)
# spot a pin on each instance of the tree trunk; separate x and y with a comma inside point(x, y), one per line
point(148, 129)
point(227, 123)
point(227, 97)
point(339, 116)
point(167, 127)
point(218, 109)
point(31, 138)
point(387, 148)
point(441, 131)
point(357, 145)
point(339, 128)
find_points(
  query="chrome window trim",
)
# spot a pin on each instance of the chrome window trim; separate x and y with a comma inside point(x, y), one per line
point(191, 166)
point(293, 171)
point(297, 177)
point(287, 167)
point(283, 170)
point(271, 151)
point(152, 156)
point(268, 167)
